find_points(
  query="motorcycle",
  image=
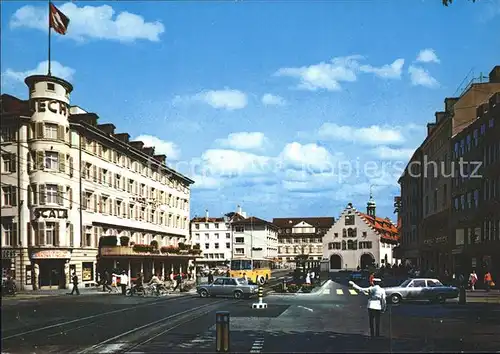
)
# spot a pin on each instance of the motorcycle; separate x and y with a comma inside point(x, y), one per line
point(9, 289)
point(136, 290)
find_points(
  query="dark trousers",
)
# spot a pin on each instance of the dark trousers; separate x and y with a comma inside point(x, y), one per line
point(105, 286)
point(75, 288)
point(178, 285)
point(124, 288)
point(374, 316)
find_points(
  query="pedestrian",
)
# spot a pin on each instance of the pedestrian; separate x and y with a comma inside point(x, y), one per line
point(178, 284)
point(74, 279)
point(210, 277)
point(105, 281)
point(488, 281)
point(124, 282)
point(473, 280)
point(376, 304)
point(370, 279)
point(308, 278)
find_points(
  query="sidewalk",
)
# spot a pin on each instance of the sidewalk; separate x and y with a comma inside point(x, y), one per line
point(482, 296)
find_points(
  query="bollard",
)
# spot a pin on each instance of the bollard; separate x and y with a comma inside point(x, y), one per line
point(222, 332)
point(462, 296)
point(260, 304)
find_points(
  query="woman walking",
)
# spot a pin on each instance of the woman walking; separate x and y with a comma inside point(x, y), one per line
point(376, 304)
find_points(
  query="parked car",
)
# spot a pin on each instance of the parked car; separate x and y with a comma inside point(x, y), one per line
point(225, 286)
point(421, 289)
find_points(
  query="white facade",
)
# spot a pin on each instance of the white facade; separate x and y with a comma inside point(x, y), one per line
point(214, 237)
point(79, 182)
point(355, 241)
point(254, 238)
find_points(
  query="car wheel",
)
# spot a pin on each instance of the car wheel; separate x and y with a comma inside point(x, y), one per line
point(261, 280)
point(395, 299)
point(238, 294)
point(203, 293)
point(128, 292)
point(440, 299)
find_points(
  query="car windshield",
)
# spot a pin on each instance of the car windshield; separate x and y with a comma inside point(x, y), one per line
point(405, 283)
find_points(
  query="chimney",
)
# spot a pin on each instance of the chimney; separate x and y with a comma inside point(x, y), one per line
point(449, 103)
point(123, 137)
point(439, 116)
point(430, 128)
point(137, 145)
point(160, 158)
point(150, 150)
point(206, 214)
point(107, 128)
point(239, 210)
point(495, 75)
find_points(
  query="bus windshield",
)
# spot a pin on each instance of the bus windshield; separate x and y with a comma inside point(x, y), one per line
point(241, 264)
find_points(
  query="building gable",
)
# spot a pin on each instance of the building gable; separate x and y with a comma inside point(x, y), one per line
point(303, 224)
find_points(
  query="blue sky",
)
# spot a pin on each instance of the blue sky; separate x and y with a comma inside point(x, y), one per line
point(287, 108)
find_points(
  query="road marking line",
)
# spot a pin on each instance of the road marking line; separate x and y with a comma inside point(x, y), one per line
point(112, 348)
point(306, 308)
point(353, 292)
point(257, 345)
point(340, 292)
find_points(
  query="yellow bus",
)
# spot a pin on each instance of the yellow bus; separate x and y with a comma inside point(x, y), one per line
point(256, 270)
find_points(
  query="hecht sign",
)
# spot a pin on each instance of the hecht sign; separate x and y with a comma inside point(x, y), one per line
point(41, 105)
point(49, 213)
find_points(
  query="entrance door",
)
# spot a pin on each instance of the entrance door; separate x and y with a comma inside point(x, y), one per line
point(366, 260)
point(52, 273)
point(335, 261)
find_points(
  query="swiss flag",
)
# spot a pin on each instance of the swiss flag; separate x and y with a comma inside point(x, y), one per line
point(57, 20)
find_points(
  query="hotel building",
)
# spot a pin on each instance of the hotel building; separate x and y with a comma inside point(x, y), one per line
point(76, 196)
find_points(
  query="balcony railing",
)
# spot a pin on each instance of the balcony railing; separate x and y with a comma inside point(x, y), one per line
point(146, 250)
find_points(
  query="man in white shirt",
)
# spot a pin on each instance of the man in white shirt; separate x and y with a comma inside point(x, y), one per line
point(376, 304)
point(123, 281)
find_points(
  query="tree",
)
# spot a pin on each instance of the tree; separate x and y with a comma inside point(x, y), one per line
point(449, 2)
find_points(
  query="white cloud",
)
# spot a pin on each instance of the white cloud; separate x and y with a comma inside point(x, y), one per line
point(388, 71)
point(220, 99)
point(372, 135)
point(326, 76)
point(427, 56)
point(231, 163)
point(205, 182)
point(310, 157)
point(421, 77)
point(91, 22)
point(161, 146)
point(329, 75)
point(57, 69)
point(244, 141)
point(273, 100)
point(388, 153)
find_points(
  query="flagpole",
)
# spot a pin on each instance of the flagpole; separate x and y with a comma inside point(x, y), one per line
point(50, 30)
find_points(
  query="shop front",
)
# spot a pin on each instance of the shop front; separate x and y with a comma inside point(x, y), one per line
point(116, 259)
point(8, 258)
point(50, 268)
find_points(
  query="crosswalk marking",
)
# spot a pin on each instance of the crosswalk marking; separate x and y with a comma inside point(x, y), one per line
point(326, 291)
point(340, 292)
point(353, 292)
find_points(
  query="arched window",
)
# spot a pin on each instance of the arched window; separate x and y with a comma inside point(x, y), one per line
point(344, 233)
point(344, 245)
point(349, 232)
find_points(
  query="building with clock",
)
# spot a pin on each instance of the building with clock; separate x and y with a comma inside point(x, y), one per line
point(360, 240)
point(78, 196)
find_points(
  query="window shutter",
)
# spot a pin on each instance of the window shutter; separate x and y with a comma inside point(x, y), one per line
point(71, 236)
point(30, 197)
point(95, 202)
point(40, 160)
point(41, 233)
point(62, 162)
point(14, 240)
point(13, 164)
point(60, 132)
point(32, 131)
point(29, 162)
point(110, 182)
point(29, 234)
point(41, 194)
point(100, 175)
point(84, 201)
point(35, 194)
point(70, 197)
point(71, 167)
point(39, 130)
point(99, 150)
point(94, 174)
point(60, 195)
point(56, 234)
